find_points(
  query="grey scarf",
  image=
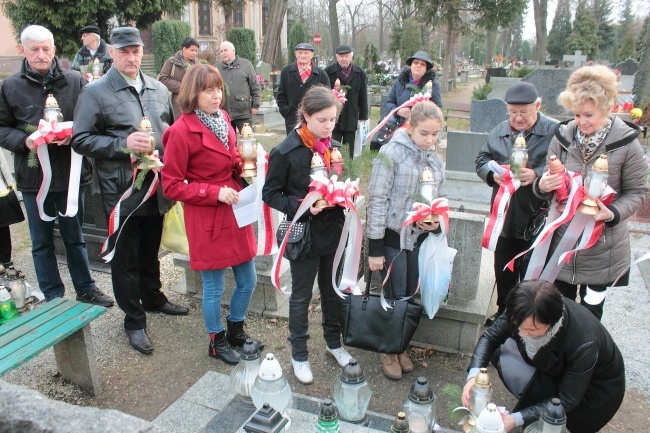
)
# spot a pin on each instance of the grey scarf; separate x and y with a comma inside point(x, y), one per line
point(215, 123)
point(534, 344)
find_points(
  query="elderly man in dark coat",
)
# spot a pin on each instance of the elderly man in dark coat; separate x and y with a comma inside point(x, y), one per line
point(352, 80)
point(295, 80)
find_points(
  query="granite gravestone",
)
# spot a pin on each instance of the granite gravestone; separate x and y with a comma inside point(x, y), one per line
point(549, 83)
point(577, 58)
point(500, 85)
point(462, 149)
point(264, 69)
point(628, 67)
point(495, 72)
point(485, 115)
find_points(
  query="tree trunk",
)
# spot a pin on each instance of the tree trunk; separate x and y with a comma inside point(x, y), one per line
point(334, 25)
point(540, 7)
point(380, 13)
point(447, 65)
point(271, 44)
point(491, 40)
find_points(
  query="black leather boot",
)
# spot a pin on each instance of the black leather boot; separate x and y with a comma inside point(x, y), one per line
point(220, 349)
point(237, 337)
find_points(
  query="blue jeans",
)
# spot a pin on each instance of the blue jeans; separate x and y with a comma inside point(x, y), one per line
point(213, 287)
point(42, 234)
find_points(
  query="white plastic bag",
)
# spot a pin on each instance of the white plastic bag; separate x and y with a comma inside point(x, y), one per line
point(360, 137)
point(435, 262)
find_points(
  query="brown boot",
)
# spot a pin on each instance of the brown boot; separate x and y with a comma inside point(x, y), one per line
point(405, 362)
point(391, 366)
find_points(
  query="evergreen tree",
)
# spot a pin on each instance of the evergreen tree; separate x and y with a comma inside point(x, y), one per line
point(606, 31)
point(584, 36)
point(297, 34)
point(410, 40)
point(628, 47)
point(560, 31)
point(626, 20)
point(65, 18)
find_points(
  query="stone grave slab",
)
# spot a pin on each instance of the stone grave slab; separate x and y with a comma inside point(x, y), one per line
point(485, 115)
point(500, 85)
point(264, 69)
point(549, 83)
point(627, 67)
point(625, 83)
point(462, 149)
point(577, 58)
point(495, 72)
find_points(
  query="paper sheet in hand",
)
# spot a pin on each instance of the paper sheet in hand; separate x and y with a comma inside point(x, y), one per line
point(244, 209)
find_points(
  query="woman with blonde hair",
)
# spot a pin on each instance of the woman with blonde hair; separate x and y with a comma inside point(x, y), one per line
point(590, 95)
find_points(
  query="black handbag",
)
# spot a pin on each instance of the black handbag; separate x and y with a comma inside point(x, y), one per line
point(299, 241)
point(537, 221)
point(10, 210)
point(366, 325)
point(382, 136)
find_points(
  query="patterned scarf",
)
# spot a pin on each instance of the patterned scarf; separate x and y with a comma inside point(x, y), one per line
point(588, 145)
point(414, 81)
point(215, 123)
point(322, 146)
point(344, 73)
point(305, 71)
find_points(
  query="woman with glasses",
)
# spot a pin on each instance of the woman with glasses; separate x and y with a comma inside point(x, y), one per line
point(202, 169)
point(590, 95)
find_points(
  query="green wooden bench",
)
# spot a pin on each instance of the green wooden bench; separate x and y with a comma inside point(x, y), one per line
point(62, 323)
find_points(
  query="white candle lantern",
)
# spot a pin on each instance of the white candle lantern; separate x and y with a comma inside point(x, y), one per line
point(352, 393)
point(145, 126)
point(595, 184)
point(553, 419)
point(96, 69)
point(420, 406)
point(518, 155)
point(246, 371)
point(489, 421)
point(247, 147)
point(428, 190)
point(52, 111)
point(481, 394)
point(271, 386)
point(317, 168)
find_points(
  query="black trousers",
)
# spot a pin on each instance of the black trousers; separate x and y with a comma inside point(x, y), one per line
point(505, 250)
point(5, 245)
point(135, 269)
point(571, 291)
point(303, 274)
point(345, 137)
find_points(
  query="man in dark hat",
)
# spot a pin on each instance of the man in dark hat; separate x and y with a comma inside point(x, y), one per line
point(107, 126)
point(295, 80)
point(351, 79)
point(93, 48)
point(524, 119)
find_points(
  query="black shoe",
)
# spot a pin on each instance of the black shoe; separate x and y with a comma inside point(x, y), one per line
point(490, 320)
point(139, 340)
point(237, 337)
point(220, 349)
point(95, 297)
point(172, 309)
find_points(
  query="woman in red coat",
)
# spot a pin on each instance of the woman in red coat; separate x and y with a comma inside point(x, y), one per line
point(202, 170)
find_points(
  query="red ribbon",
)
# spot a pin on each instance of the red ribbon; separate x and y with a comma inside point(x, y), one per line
point(415, 99)
point(499, 211)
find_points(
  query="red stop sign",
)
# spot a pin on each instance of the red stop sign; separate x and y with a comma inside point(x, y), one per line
point(317, 39)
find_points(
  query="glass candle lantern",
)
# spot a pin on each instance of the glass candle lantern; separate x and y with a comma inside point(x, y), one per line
point(244, 374)
point(553, 419)
point(336, 162)
point(266, 420)
point(16, 286)
point(518, 155)
point(247, 148)
point(317, 168)
point(52, 112)
point(328, 418)
point(400, 424)
point(420, 406)
point(145, 126)
point(595, 184)
point(428, 190)
point(489, 421)
point(8, 309)
point(352, 393)
point(555, 166)
point(271, 386)
point(481, 394)
point(96, 69)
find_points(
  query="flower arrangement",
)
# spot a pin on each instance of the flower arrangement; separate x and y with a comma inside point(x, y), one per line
point(628, 107)
point(260, 80)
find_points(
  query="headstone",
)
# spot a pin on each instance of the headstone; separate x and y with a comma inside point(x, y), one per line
point(552, 62)
point(495, 72)
point(500, 85)
point(485, 115)
point(549, 83)
point(625, 83)
point(462, 149)
point(264, 69)
point(628, 67)
point(577, 58)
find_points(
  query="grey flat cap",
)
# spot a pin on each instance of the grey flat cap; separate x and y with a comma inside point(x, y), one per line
point(521, 93)
point(126, 37)
point(420, 55)
point(344, 49)
point(303, 46)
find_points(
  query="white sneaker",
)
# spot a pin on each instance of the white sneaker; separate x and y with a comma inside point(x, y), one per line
point(302, 371)
point(341, 355)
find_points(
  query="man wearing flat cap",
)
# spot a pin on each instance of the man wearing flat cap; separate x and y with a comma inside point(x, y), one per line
point(295, 80)
point(107, 127)
point(351, 79)
point(526, 120)
point(93, 48)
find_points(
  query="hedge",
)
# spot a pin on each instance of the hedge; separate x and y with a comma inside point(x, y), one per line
point(244, 42)
point(168, 36)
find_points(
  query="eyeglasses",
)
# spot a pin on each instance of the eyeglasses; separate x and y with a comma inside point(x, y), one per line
point(514, 114)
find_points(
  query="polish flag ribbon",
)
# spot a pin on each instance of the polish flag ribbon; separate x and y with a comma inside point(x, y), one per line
point(266, 242)
point(500, 205)
point(417, 98)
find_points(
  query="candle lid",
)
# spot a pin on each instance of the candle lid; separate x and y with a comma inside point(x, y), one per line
point(316, 161)
point(520, 141)
point(246, 131)
point(427, 175)
point(555, 166)
point(483, 379)
point(352, 373)
point(328, 411)
point(601, 165)
point(51, 102)
point(270, 368)
point(554, 413)
point(145, 124)
point(249, 351)
point(421, 391)
point(335, 155)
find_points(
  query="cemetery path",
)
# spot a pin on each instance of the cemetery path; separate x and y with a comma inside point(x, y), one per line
point(145, 386)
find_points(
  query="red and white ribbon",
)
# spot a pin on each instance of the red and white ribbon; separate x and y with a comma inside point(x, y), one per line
point(49, 132)
point(583, 227)
point(415, 99)
point(439, 206)
point(351, 240)
point(500, 205)
point(114, 218)
point(266, 243)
